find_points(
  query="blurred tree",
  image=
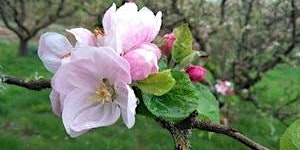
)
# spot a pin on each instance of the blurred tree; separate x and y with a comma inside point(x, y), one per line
point(244, 38)
point(27, 18)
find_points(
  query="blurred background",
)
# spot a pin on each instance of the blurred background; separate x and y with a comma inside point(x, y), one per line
point(252, 43)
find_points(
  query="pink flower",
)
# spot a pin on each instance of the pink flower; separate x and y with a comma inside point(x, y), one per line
point(54, 49)
point(95, 84)
point(127, 28)
point(169, 40)
point(143, 61)
point(224, 88)
point(196, 73)
point(130, 33)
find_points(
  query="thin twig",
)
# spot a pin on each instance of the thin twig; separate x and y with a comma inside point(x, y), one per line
point(36, 85)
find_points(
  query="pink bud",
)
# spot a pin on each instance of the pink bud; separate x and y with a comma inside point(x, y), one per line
point(169, 40)
point(196, 73)
point(142, 62)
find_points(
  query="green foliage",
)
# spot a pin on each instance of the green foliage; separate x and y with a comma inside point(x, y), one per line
point(208, 107)
point(158, 83)
point(182, 100)
point(291, 138)
point(183, 45)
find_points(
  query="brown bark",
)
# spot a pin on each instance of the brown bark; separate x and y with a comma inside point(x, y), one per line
point(23, 47)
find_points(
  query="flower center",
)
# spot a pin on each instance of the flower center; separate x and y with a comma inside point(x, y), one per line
point(98, 32)
point(104, 92)
point(66, 55)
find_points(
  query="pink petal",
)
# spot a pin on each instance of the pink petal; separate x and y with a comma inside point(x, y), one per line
point(107, 18)
point(55, 103)
point(52, 49)
point(118, 27)
point(83, 36)
point(127, 101)
point(119, 68)
point(151, 47)
point(142, 63)
point(78, 74)
point(80, 113)
point(88, 66)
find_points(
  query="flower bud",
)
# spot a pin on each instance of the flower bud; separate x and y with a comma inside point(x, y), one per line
point(196, 73)
point(169, 40)
point(142, 62)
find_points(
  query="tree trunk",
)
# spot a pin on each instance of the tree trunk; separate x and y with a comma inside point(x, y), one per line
point(181, 139)
point(23, 47)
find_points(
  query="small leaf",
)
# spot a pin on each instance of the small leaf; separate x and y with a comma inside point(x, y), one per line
point(183, 44)
point(190, 58)
point(208, 107)
point(291, 137)
point(176, 104)
point(157, 83)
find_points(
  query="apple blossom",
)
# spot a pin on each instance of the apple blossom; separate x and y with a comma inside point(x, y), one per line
point(95, 84)
point(224, 88)
point(196, 73)
point(169, 40)
point(55, 49)
point(132, 37)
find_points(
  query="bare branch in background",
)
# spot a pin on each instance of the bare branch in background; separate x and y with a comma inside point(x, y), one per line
point(27, 18)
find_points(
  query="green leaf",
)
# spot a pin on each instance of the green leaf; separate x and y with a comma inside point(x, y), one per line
point(183, 45)
point(195, 55)
point(176, 104)
point(157, 83)
point(291, 137)
point(183, 99)
point(208, 107)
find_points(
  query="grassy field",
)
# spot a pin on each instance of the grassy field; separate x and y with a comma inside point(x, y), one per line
point(26, 120)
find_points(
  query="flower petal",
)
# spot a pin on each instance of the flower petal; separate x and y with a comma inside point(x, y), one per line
point(81, 73)
point(142, 63)
point(83, 36)
point(52, 49)
point(119, 68)
point(107, 18)
point(127, 101)
point(55, 102)
point(80, 113)
point(125, 33)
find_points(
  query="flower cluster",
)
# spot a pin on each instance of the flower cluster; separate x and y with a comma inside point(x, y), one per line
point(224, 88)
point(93, 70)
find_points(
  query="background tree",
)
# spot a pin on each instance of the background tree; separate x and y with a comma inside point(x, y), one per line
point(244, 40)
point(27, 18)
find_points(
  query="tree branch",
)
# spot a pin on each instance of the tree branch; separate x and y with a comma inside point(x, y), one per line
point(36, 85)
point(192, 122)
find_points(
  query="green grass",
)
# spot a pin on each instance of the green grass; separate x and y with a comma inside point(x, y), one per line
point(26, 120)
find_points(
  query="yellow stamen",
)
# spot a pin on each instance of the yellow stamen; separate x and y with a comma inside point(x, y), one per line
point(66, 55)
point(104, 92)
